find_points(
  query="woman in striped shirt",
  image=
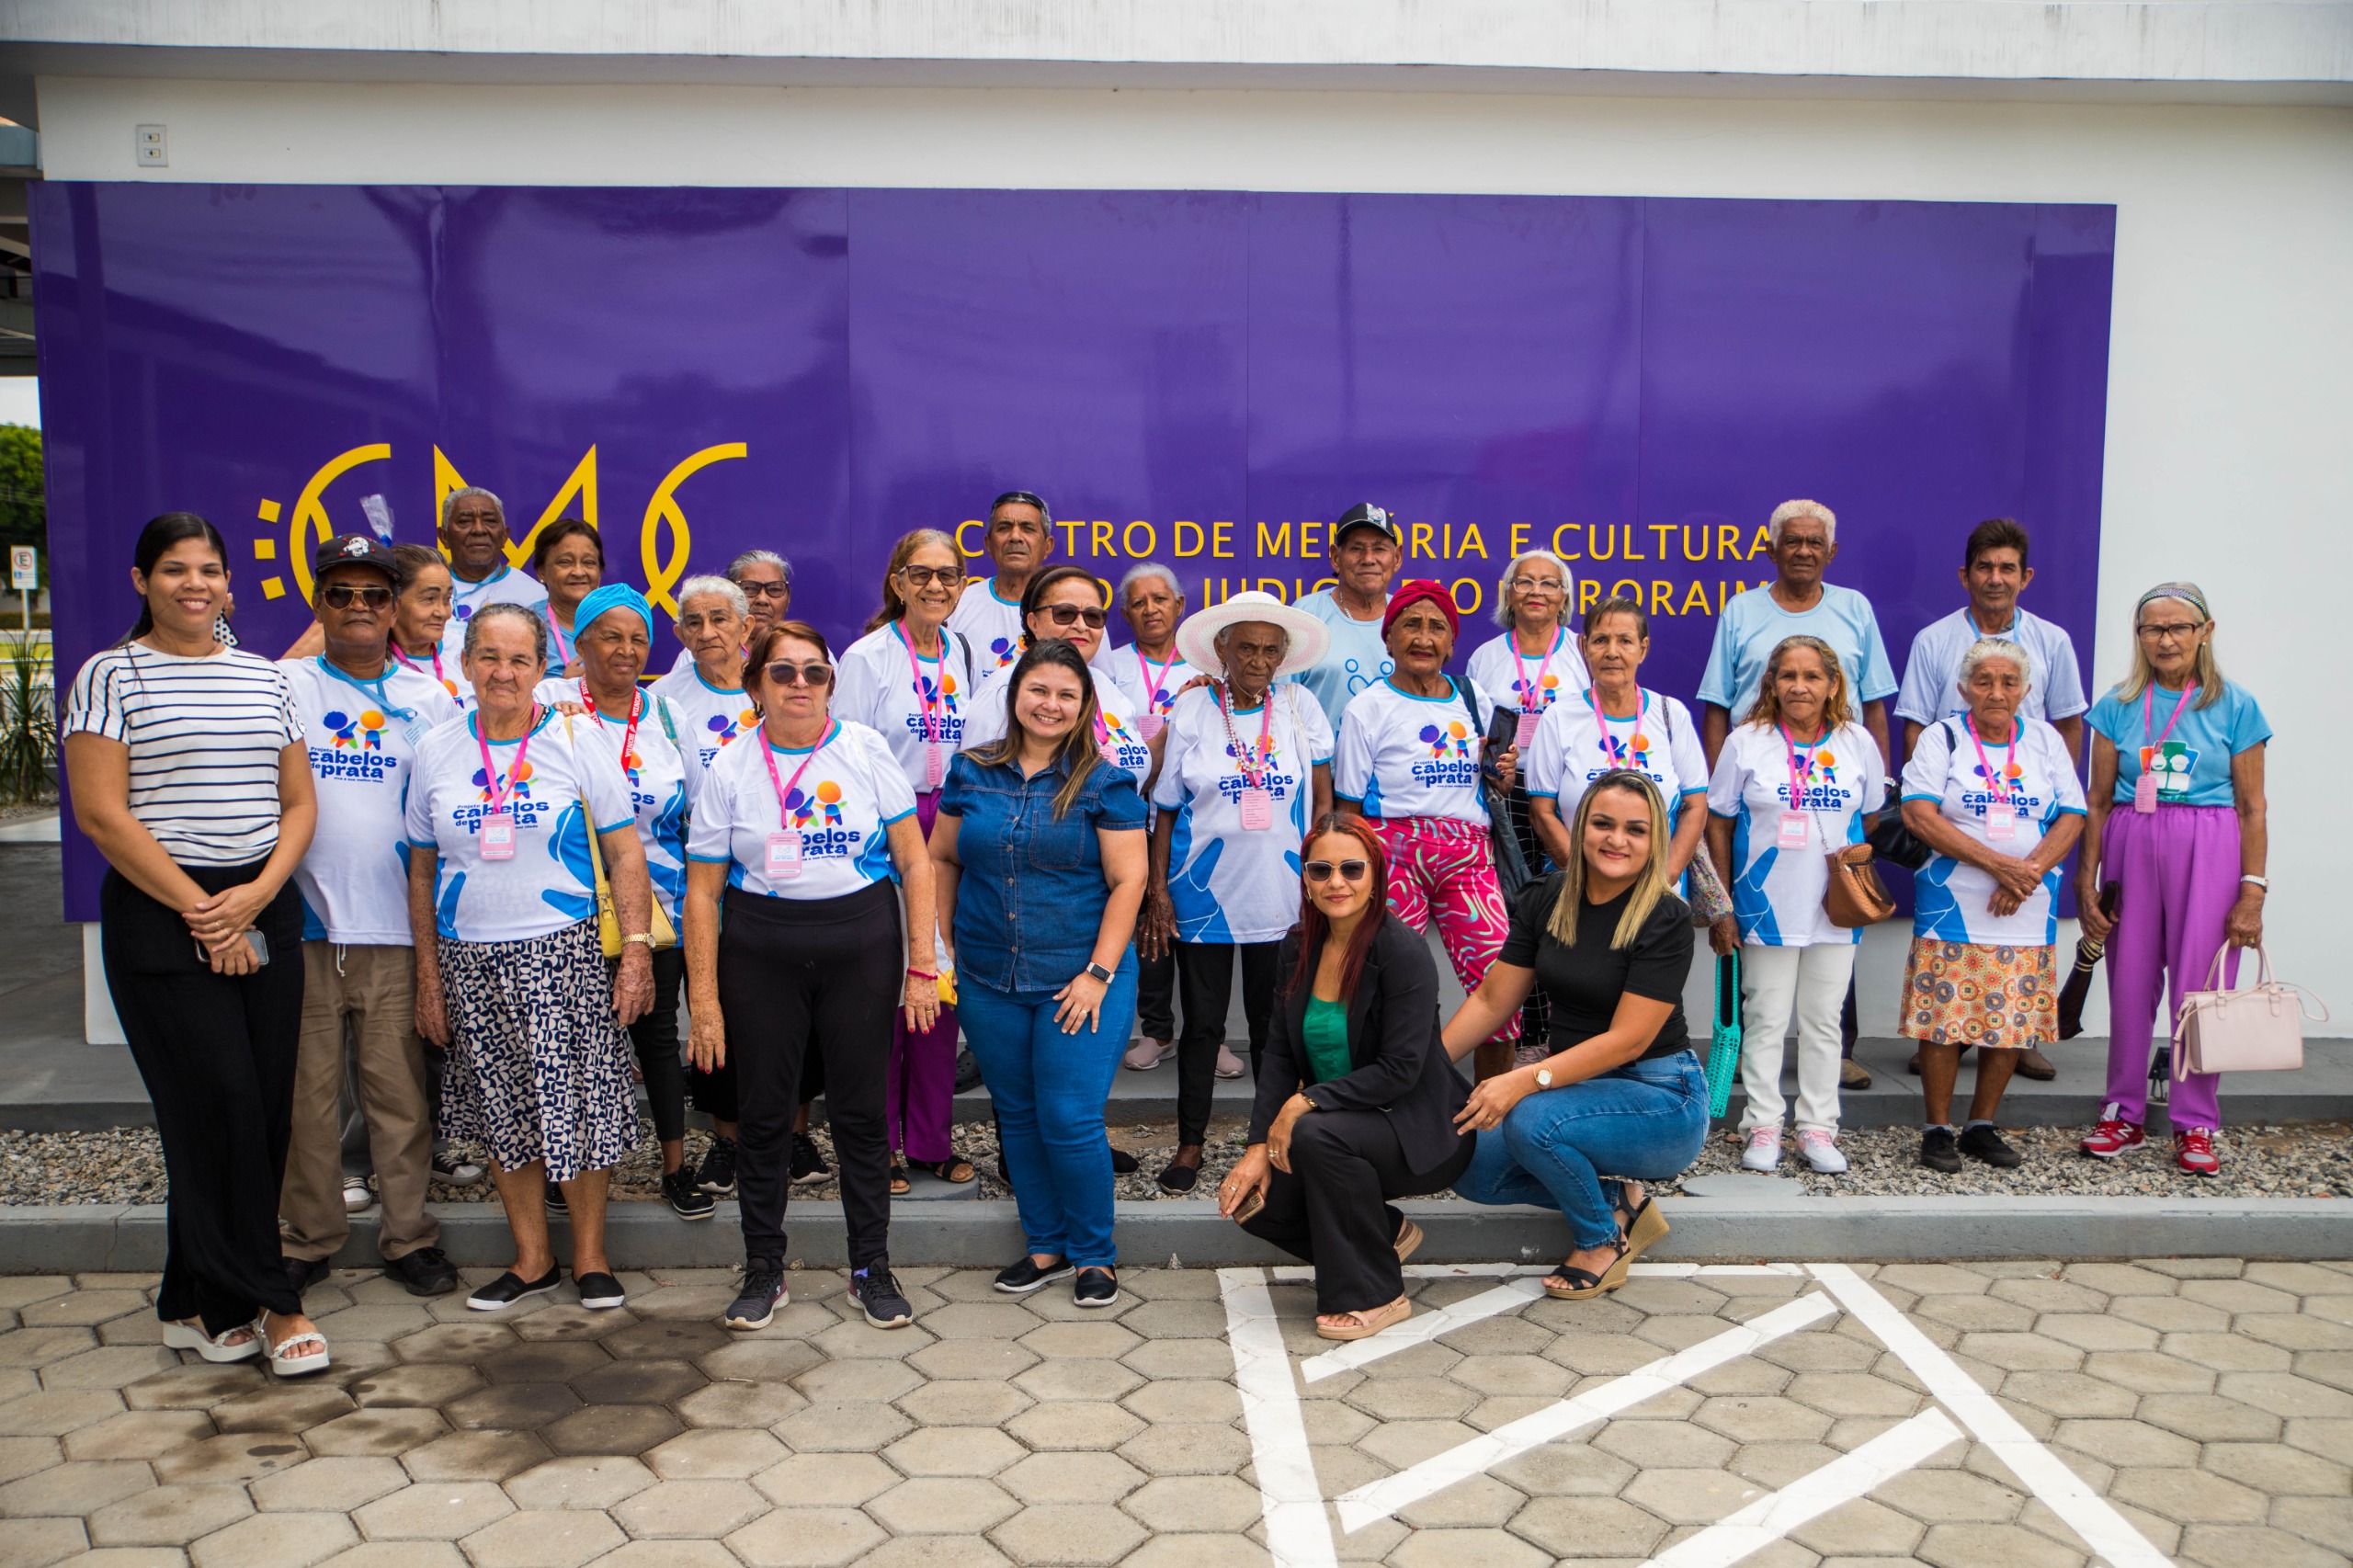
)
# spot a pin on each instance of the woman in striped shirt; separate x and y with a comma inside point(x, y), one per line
point(191, 774)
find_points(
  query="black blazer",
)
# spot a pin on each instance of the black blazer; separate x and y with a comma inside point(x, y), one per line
point(1401, 1066)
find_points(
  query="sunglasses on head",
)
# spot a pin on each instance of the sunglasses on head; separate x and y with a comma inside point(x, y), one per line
point(1070, 615)
point(343, 595)
point(1350, 871)
point(783, 674)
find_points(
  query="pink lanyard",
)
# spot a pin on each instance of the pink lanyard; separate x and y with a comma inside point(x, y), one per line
point(1531, 696)
point(555, 632)
point(1264, 756)
point(2149, 712)
point(500, 793)
point(924, 704)
point(629, 734)
point(411, 663)
point(1608, 743)
point(1998, 783)
point(1797, 787)
point(768, 755)
point(1154, 685)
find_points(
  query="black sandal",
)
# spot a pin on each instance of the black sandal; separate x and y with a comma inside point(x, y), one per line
point(941, 1168)
point(1175, 1177)
point(1584, 1284)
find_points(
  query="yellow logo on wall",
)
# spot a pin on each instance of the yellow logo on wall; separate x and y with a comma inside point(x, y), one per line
point(665, 522)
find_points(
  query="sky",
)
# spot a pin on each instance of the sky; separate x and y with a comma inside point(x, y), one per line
point(20, 400)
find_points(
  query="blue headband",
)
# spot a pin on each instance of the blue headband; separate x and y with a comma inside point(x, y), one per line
point(2188, 593)
point(612, 596)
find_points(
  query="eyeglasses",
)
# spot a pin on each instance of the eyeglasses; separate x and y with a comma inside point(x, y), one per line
point(924, 576)
point(1070, 615)
point(1350, 871)
point(766, 590)
point(2175, 630)
point(781, 674)
point(1533, 584)
point(341, 596)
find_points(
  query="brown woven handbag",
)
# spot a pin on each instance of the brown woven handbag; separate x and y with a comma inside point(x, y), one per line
point(1855, 895)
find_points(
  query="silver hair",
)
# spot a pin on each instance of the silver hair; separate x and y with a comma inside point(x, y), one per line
point(1987, 648)
point(723, 586)
point(507, 612)
point(1141, 570)
point(1503, 617)
point(751, 558)
point(1789, 510)
point(450, 502)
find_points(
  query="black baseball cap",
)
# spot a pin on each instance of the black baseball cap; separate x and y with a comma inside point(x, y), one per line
point(355, 550)
point(1365, 515)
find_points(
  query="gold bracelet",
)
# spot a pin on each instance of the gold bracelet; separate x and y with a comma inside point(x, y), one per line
point(646, 937)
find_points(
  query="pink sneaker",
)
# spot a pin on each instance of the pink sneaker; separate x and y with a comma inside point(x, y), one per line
point(2113, 1136)
point(2193, 1150)
point(1148, 1053)
point(1764, 1150)
point(1820, 1150)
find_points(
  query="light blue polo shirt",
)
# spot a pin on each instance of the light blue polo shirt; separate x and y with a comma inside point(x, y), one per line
point(1358, 661)
point(2054, 683)
point(1752, 626)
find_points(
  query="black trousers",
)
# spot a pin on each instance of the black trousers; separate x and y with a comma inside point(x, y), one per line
point(1331, 1210)
point(1205, 976)
point(797, 976)
point(216, 1054)
point(1157, 995)
point(1536, 1013)
point(656, 1039)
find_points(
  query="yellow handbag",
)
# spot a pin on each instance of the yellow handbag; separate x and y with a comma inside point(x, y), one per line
point(609, 921)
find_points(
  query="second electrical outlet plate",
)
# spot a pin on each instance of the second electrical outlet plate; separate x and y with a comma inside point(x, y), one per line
point(154, 152)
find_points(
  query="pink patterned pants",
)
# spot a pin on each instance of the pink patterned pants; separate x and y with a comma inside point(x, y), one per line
point(1441, 868)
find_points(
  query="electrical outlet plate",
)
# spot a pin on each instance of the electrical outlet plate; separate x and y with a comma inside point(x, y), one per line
point(151, 147)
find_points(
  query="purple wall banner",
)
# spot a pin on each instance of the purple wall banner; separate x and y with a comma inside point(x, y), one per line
point(1207, 379)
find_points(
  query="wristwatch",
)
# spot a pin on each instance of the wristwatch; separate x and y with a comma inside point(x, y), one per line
point(1544, 1077)
point(1099, 972)
point(646, 937)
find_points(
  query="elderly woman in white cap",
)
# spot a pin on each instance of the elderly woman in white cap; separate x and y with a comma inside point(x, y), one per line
point(1246, 764)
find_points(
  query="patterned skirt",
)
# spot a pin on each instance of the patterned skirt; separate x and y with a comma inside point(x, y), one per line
point(537, 1065)
point(1975, 993)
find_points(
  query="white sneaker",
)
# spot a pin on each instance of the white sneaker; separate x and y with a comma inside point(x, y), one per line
point(357, 1199)
point(1764, 1150)
point(1230, 1065)
point(1148, 1053)
point(1821, 1151)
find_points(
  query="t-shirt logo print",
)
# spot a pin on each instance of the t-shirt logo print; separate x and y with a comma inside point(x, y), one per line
point(1448, 739)
point(1541, 698)
point(519, 782)
point(365, 733)
point(727, 728)
point(1816, 770)
point(2172, 762)
point(819, 804)
point(1003, 650)
point(1633, 752)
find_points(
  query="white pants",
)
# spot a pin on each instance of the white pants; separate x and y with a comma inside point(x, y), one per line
point(1772, 980)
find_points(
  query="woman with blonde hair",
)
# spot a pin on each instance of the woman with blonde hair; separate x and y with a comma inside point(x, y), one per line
point(1793, 784)
point(1610, 945)
point(2177, 817)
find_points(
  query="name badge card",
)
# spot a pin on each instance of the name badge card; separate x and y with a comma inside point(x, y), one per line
point(2144, 794)
point(498, 836)
point(784, 856)
point(1108, 753)
point(1524, 733)
point(931, 768)
point(1150, 724)
point(1257, 809)
point(1793, 831)
point(2001, 823)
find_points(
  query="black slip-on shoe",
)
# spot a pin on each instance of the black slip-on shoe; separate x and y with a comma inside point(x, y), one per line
point(1094, 1288)
point(427, 1271)
point(599, 1292)
point(1025, 1276)
point(510, 1287)
point(1986, 1143)
point(1936, 1151)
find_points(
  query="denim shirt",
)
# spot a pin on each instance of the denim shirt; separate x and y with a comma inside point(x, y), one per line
point(1031, 900)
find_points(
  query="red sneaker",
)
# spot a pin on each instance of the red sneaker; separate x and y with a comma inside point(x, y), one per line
point(2193, 1150)
point(2113, 1136)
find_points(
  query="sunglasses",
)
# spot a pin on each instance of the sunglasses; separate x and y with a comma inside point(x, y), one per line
point(924, 576)
point(1350, 871)
point(343, 595)
point(766, 590)
point(1071, 615)
point(781, 674)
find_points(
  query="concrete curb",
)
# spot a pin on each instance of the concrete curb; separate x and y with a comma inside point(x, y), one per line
point(89, 1238)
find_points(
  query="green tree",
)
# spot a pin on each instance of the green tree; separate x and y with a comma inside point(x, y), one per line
point(24, 513)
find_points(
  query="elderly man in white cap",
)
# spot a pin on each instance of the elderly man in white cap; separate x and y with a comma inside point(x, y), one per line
point(1245, 766)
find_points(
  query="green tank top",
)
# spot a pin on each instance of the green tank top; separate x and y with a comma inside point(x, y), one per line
point(1325, 1032)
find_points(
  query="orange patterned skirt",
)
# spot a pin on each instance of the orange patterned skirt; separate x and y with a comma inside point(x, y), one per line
point(1975, 993)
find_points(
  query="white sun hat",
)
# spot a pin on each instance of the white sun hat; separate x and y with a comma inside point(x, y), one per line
point(1197, 637)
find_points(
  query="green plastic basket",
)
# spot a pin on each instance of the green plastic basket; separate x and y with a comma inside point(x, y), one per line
point(1723, 1051)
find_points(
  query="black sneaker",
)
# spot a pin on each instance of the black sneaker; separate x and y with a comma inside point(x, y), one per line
point(510, 1287)
point(599, 1292)
point(304, 1272)
point(1985, 1143)
point(1025, 1276)
point(1094, 1288)
point(807, 1165)
point(718, 1174)
point(873, 1289)
point(764, 1291)
point(556, 1202)
point(968, 1070)
point(1936, 1151)
point(455, 1169)
point(685, 1199)
point(427, 1271)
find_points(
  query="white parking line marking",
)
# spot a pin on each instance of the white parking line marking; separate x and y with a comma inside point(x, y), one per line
point(1298, 1534)
point(1843, 1480)
point(1377, 1500)
point(2105, 1531)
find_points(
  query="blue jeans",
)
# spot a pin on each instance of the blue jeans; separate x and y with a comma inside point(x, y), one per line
point(1647, 1120)
point(1048, 1088)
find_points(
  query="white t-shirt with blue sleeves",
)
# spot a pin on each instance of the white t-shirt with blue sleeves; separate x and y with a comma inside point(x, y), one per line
point(662, 779)
point(712, 718)
point(362, 737)
point(1357, 661)
point(990, 624)
point(507, 585)
point(2193, 765)
point(1499, 669)
point(1226, 882)
point(2037, 787)
point(1752, 626)
point(1776, 892)
point(1402, 755)
point(875, 683)
point(549, 882)
point(843, 806)
point(1932, 672)
point(1151, 689)
point(1575, 745)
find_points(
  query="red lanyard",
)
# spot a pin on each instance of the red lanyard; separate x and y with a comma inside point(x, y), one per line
point(2149, 712)
point(1154, 685)
point(1797, 785)
point(1264, 756)
point(629, 734)
point(768, 755)
point(1999, 783)
point(500, 793)
point(1531, 696)
point(1609, 743)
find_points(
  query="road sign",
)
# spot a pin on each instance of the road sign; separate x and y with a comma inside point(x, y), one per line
point(24, 568)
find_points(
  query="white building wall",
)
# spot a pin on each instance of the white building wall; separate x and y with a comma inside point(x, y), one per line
point(2230, 434)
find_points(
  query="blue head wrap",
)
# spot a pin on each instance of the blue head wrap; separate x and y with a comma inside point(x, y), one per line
point(612, 596)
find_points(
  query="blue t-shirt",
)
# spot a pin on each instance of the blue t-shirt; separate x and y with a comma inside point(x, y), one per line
point(2054, 687)
point(1357, 660)
point(1752, 626)
point(2195, 768)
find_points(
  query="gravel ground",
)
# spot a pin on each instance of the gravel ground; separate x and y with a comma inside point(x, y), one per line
point(2307, 1160)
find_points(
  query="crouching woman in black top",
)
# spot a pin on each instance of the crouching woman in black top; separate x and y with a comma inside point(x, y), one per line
point(1621, 1093)
point(1356, 1100)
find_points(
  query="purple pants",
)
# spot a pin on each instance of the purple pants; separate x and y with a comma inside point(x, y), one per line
point(918, 1106)
point(2180, 870)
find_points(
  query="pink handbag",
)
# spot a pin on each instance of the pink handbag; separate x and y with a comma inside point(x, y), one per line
point(2259, 1029)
